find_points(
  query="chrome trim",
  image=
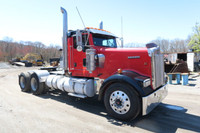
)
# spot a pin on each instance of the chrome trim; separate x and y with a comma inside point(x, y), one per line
point(133, 57)
point(64, 39)
point(41, 74)
point(157, 66)
point(101, 32)
point(90, 60)
point(101, 25)
point(152, 50)
point(34, 84)
point(151, 101)
point(22, 81)
point(119, 102)
point(101, 60)
point(146, 82)
point(99, 83)
point(79, 40)
point(77, 95)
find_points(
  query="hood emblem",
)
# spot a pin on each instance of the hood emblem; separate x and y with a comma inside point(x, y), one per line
point(133, 57)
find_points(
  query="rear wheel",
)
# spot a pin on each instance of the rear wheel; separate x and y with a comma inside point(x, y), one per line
point(24, 82)
point(36, 87)
point(122, 102)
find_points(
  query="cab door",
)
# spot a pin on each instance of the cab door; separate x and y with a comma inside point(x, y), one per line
point(78, 56)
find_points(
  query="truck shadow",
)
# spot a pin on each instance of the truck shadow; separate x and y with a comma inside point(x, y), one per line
point(165, 118)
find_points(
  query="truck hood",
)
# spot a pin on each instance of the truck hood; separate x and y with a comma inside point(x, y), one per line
point(134, 59)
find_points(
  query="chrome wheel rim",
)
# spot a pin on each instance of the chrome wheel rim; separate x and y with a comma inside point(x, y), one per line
point(120, 102)
point(22, 82)
point(34, 84)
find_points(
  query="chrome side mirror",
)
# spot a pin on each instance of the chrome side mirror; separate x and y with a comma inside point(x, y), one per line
point(79, 40)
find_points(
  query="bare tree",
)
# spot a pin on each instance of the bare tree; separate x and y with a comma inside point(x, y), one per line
point(164, 44)
point(172, 46)
point(10, 49)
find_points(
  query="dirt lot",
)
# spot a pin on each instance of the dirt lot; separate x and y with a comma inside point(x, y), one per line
point(56, 112)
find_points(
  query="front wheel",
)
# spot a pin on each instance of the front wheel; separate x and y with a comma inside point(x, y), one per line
point(122, 102)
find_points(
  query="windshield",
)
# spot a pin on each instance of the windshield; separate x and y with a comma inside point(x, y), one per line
point(104, 41)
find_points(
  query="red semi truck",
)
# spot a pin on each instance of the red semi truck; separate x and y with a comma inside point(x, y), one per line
point(131, 81)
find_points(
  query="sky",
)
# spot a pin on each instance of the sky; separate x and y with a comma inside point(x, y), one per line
point(143, 20)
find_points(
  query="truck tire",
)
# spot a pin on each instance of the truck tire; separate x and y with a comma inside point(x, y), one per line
point(122, 102)
point(24, 82)
point(37, 88)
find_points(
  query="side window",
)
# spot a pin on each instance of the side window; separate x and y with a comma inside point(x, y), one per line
point(104, 40)
point(108, 43)
point(98, 41)
point(85, 39)
point(104, 43)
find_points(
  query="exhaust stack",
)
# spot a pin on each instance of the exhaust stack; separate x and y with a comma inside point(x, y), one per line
point(64, 40)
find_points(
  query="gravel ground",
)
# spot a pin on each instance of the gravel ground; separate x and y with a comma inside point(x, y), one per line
point(57, 112)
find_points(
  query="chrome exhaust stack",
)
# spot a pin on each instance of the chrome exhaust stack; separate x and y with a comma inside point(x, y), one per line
point(64, 41)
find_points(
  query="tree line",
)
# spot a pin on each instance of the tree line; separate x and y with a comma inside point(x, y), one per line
point(176, 45)
point(10, 49)
point(166, 45)
point(172, 46)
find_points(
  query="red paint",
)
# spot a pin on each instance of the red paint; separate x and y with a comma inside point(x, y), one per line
point(118, 58)
point(115, 58)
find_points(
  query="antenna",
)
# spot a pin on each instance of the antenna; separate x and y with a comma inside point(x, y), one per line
point(83, 25)
point(80, 16)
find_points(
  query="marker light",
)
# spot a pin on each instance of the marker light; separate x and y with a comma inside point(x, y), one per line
point(97, 29)
point(119, 71)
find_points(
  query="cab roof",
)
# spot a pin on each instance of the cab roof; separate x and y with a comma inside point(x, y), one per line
point(100, 31)
point(94, 31)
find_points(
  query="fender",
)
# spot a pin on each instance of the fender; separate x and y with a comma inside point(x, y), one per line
point(41, 74)
point(129, 77)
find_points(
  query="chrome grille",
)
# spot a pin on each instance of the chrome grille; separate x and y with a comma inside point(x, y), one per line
point(157, 69)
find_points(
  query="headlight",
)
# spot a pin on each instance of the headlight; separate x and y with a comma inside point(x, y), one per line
point(146, 82)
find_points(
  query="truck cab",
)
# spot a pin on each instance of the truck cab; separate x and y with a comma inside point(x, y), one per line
point(130, 81)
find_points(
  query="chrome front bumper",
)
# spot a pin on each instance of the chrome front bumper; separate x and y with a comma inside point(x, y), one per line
point(151, 101)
